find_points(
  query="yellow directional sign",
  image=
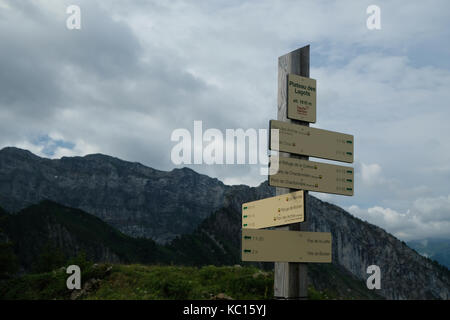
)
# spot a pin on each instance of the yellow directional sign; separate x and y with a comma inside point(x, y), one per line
point(285, 246)
point(308, 141)
point(301, 98)
point(314, 176)
point(274, 211)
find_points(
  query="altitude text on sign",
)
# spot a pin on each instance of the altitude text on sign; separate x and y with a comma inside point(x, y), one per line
point(274, 211)
point(301, 98)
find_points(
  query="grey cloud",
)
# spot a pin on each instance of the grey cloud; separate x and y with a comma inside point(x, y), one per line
point(139, 69)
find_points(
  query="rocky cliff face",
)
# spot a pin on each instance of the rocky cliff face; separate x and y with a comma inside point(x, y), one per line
point(356, 245)
point(138, 200)
point(141, 201)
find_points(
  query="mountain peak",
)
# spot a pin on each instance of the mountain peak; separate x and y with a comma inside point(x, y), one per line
point(97, 156)
point(185, 170)
point(17, 152)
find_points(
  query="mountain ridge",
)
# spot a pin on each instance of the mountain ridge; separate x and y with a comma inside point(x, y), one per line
point(111, 189)
point(202, 216)
point(49, 225)
point(434, 248)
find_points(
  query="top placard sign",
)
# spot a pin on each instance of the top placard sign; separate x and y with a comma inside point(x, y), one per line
point(301, 98)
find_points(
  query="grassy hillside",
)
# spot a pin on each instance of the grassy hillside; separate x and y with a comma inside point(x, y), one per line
point(48, 236)
point(137, 282)
point(48, 227)
point(144, 282)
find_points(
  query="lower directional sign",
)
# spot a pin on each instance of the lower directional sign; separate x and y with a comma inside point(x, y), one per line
point(314, 176)
point(274, 211)
point(285, 246)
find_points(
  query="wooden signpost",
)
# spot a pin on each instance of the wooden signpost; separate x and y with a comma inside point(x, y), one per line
point(290, 244)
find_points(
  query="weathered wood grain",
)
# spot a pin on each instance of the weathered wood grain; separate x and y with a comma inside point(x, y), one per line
point(291, 278)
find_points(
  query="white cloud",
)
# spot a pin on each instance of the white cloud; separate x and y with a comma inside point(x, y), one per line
point(323, 196)
point(427, 218)
point(81, 148)
point(371, 173)
point(433, 209)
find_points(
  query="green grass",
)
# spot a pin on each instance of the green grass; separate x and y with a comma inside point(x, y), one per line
point(137, 282)
point(156, 282)
point(173, 282)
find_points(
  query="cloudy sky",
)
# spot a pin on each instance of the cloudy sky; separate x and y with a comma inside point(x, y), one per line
point(137, 70)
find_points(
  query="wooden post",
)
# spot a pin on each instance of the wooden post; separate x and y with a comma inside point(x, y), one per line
point(290, 279)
